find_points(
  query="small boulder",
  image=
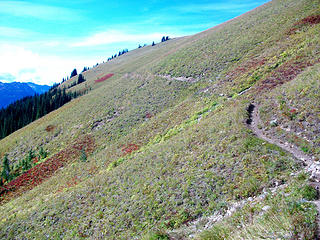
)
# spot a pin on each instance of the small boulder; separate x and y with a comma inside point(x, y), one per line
point(274, 123)
point(266, 208)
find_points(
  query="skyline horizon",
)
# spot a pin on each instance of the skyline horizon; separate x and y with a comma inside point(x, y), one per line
point(43, 41)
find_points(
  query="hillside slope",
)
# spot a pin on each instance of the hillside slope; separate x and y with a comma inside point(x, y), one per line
point(161, 147)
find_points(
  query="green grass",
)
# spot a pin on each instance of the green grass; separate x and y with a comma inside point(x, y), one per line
point(289, 216)
point(196, 154)
point(295, 105)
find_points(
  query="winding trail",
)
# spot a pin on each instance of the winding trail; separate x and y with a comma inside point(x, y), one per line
point(254, 122)
point(311, 166)
point(206, 222)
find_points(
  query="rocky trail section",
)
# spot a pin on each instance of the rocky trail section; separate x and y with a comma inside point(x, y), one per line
point(312, 167)
point(207, 222)
point(192, 229)
point(181, 79)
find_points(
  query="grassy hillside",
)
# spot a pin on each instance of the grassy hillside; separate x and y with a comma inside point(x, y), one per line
point(169, 143)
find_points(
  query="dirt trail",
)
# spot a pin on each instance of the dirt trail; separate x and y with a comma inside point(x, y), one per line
point(254, 122)
point(192, 229)
point(311, 166)
point(198, 225)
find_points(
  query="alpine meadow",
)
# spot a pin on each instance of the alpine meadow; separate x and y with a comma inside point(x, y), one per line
point(210, 136)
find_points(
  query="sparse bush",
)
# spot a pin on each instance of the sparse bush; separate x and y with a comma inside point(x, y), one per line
point(158, 235)
point(218, 232)
point(42, 153)
point(6, 170)
point(305, 149)
point(83, 156)
point(309, 193)
point(302, 176)
point(27, 162)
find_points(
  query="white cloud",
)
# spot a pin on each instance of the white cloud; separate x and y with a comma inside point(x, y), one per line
point(227, 6)
point(14, 32)
point(28, 66)
point(112, 36)
point(44, 12)
point(48, 61)
point(7, 78)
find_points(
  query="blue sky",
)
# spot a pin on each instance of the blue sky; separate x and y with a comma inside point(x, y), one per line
point(43, 40)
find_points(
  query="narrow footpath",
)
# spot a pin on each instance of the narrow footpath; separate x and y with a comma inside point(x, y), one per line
point(198, 225)
point(311, 166)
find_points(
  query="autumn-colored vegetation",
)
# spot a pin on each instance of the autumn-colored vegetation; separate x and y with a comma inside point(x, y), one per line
point(148, 115)
point(285, 73)
point(129, 148)
point(247, 66)
point(102, 79)
point(50, 128)
point(311, 20)
point(44, 170)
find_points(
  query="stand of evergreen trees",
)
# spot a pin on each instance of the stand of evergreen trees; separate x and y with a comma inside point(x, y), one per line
point(11, 171)
point(29, 109)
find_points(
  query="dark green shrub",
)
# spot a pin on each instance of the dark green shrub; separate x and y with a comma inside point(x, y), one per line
point(42, 153)
point(83, 156)
point(158, 235)
point(309, 193)
point(218, 232)
point(6, 171)
point(27, 162)
point(305, 149)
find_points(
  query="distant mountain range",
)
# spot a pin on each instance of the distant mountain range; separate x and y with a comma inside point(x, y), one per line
point(10, 92)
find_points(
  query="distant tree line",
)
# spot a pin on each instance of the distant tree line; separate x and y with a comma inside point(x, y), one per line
point(85, 69)
point(75, 73)
point(29, 109)
point(164, 39)
point(124, 51)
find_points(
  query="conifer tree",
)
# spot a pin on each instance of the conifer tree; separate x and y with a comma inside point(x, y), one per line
point(81, 79)
point(28, 109)
point(42, 153)
point(83, 156)
point(27, 163)
point(5, 174)
point(73, 73)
